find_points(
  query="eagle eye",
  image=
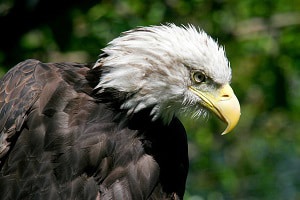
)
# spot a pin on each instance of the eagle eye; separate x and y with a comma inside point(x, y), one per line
point(199, 77)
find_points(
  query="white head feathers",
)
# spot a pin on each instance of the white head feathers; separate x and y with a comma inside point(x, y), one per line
point(154, 64)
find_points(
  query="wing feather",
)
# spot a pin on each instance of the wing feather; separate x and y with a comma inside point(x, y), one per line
point(18, 92)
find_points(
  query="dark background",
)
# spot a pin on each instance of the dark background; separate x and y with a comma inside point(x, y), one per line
point(260, 159)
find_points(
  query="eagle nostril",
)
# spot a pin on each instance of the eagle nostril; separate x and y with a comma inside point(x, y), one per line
point(225, 97)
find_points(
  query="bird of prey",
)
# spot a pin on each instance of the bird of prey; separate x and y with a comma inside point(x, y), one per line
point(110, 130)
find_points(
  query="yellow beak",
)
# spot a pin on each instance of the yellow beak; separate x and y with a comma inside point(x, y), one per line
point(223, 103)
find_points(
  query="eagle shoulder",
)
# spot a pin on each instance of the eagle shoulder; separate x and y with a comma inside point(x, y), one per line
point(20, 89)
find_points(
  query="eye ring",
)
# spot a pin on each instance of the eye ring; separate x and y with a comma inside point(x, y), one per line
point(199, 77)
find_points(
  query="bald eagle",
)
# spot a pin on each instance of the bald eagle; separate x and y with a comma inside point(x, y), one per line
point(110, 130)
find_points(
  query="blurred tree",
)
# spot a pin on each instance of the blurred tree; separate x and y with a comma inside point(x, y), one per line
point(262, 159)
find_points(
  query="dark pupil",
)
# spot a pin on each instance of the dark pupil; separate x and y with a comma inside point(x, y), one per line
point(199, 77)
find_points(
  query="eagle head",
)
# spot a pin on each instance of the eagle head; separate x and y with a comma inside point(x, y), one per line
point(172, 70)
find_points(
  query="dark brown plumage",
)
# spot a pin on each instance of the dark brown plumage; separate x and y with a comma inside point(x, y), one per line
point(60, 141)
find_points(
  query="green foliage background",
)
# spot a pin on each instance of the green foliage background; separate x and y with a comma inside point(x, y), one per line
point(260, 159)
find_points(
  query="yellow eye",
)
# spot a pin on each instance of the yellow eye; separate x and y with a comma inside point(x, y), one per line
point(199, 77)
